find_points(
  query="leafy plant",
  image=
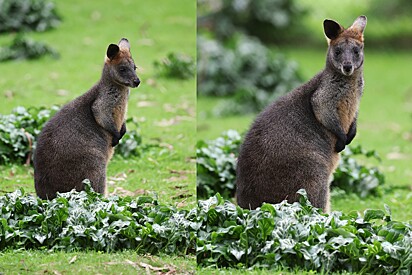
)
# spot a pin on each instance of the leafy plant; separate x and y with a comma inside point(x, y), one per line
point(353, 177)
point(131, 142)
point(88, 221)
point(216, 165)
point(248, 71)
point(19, 131)
point(25, 15)
point(25, 48)
point(176, 66)
point(216, 169)
point(297, 235)
point(283, 235)
point(255, 18)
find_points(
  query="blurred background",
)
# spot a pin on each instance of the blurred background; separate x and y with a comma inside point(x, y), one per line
point(251, 52)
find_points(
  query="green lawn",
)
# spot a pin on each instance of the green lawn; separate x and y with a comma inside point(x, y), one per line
point(164, 107)
point(43, 262)
point(385, 123)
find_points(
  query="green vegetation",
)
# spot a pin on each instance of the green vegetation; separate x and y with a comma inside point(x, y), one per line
point(18, 132)
point(353, 177)
point(216, 165)
point(389, 24)
point(255, 18)
point(247, 71)
point(23, 47)
point(295, 235)
point(28, 15)
point(23, 16)
point(176, 65)
point(163, 108)
point(86, 221)
point(85, 263)
point(232, 60)
point(273, 236)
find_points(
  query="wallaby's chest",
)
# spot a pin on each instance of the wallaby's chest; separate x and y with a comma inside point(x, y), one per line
point(119, 108)
point(348, 104)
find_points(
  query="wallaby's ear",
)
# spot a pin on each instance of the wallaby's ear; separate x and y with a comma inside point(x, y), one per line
point(124, 43)
point(359, 24)
point(112, 51)
point(332, 29)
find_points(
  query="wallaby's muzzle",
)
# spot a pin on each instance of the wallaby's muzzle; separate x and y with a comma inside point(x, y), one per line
point(135, 83)
point(347, 69)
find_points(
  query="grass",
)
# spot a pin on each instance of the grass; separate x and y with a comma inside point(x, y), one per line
point(385, 123)
point(43, 262)
point(164, 107)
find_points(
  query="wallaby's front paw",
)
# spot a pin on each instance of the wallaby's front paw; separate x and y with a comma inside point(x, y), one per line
point(340, 145)
point(123, 130)
point(115, 140)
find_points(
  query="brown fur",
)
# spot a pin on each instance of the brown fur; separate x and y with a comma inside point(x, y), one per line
point(294, 143)
point(77, 143)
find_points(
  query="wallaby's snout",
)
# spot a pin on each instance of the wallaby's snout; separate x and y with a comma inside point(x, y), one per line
point(347, 69)
point(136, 82)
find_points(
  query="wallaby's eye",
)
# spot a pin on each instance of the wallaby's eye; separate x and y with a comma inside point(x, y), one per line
point(122, 69)
point(337, 52)
point(356, 51)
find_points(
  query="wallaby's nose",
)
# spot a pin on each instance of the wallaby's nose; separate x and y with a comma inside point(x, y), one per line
point(136, 82)
point(347, 68)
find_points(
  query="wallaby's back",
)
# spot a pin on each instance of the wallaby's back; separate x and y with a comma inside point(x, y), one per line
point(294, 142)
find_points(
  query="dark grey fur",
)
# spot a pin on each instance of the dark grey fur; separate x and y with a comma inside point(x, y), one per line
point(294, 142)
point(78, 141)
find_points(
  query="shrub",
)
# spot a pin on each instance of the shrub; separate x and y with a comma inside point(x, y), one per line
point(248, 71)
point(256, 18)
point(19, 131)
point(297, 235)
point(353, 177)
point(216, 165)
point(25, 48)
point(176, 66)
point(87, 221)
point(283, 235)
point(27, 15)
point(216, 169)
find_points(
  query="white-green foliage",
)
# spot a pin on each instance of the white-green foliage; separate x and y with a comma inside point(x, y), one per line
point(176, 65)
point(300, 236)
point(86, 220)
point(247, 70)
point(27, 15)
point(23, 47)
point(221, 234)
point(216, 165)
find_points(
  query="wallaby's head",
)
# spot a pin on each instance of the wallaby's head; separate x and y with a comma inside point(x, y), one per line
point(120, 65)
point(345, 52)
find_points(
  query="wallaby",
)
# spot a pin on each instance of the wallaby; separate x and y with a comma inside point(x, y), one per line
point(294, 143)
point(77, 142)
